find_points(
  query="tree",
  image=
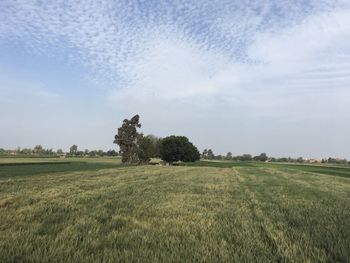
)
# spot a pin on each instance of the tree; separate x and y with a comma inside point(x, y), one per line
point(92, 153)
point(219, 157)
point(59, 152)
point(228, 156)
point(210, 155)
point(156, 143)
point(178, 148)
point(127, 139)
point(112, 153)
point(26, 151)
point(263, 157)
point(73, 149)
point(205, 154)
point(245, 157)
point(145, 149)
point(301, 160)
point(38, 149)
point(49, 152)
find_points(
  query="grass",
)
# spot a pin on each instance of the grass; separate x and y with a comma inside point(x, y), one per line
point(340, 170)
point(251, 213)
point(29, 167)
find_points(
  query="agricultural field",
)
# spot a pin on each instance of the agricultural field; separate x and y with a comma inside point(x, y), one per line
point(96, 210)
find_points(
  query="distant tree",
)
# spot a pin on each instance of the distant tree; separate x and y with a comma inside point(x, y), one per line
point(92, 153)
point(112, 153)
point(228, 156)
point(331, 160)
point(49, 152)
point(205, 154)
point(218, 157)
point(38, 149)
point(178, 148)
point(73, 149)
point(263, 157)
point(245, 157)
point(86, 152)
point(210, 154)
point(127, 138)
point(300, 160)
point(283, 160)
point(26, 151)
point(2, 151)
point(59, 151)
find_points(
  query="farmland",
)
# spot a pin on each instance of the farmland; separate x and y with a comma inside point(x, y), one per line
point(94, 210)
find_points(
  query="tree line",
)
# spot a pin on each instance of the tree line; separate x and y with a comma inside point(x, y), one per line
point(39, 150)
point(208, 154)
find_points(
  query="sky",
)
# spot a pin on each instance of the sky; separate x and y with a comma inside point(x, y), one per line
point(241, 76)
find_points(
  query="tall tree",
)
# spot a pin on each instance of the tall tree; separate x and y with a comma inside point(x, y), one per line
point(73, 149)
point(127, 139)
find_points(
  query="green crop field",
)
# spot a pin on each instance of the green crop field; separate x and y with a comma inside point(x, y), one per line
point(96, 210)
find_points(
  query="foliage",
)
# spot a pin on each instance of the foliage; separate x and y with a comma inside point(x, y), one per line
point(145, 150)
point(127, 139)
point(73, 149)
point(262, 157)
point(38, 149)
point(210, 155)
point(178, 148)
point(156, 143)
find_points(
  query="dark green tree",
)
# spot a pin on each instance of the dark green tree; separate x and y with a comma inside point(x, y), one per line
point(127, 139)
point(178, 148)
point(228, 156)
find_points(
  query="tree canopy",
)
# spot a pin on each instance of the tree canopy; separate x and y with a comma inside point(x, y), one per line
point(178, 148)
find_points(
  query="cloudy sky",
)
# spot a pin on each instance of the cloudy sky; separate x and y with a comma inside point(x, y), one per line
point(242, 76)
